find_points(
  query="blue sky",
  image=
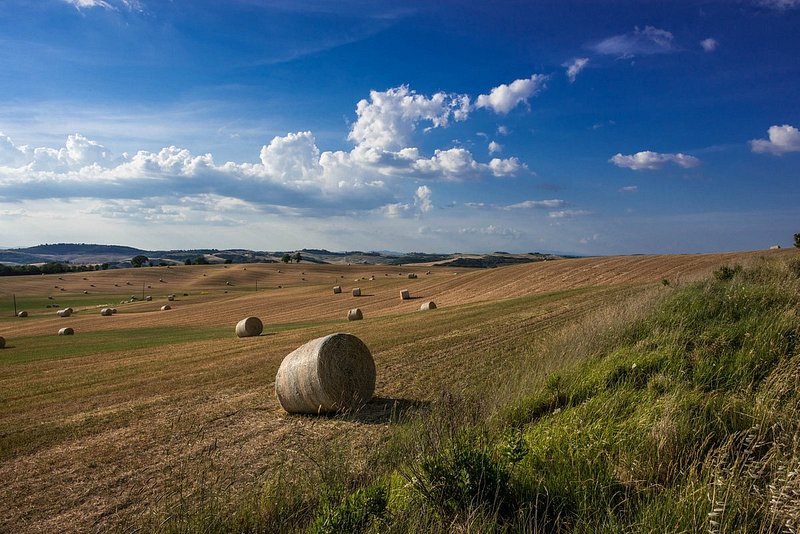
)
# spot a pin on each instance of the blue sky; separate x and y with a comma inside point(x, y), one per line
point(581, 127)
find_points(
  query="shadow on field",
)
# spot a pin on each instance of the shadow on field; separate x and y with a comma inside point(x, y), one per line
point(381, 410)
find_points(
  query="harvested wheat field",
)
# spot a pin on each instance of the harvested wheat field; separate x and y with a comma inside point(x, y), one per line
point(113, 427)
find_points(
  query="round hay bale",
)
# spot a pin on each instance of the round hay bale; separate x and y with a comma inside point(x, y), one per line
point(166, 307)
point(66, 331)
point(412, 276)
point(85, 292)
point(249, 327)
point(355, 314)
point(337, 289)
point(170, 297)
point(113, 311)
point(404, 294)
point(327, 374)
point(148, 298)
point(70, 309)
point(64, 313)
point(430, 305)
point(106, 312)
point(2, 342)
point(22, 313)
point(356, 291)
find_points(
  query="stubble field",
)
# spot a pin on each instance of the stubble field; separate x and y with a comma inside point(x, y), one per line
point(115, 425)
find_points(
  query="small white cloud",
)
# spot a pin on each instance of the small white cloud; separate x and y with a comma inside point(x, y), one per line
point(493, 230)
point(629, 189)
point(709, 45)
point(495, 147)
point(650, 161)
point(567, 214)
point(780, 5)
point(503, 130)
point(506, 167)
point(422, 199)
point(88, 4)
point(782, 139)
point(588, 239)
point(648, 41)
point(574, 67)
point(504, 98)
point(537, 204)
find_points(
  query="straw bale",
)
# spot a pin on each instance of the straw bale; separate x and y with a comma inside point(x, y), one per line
point(404, 294)
point(356, 291)
point(148, 298)
point(337, 289)
point(327, 374)
point(249, 327)
point(64, 313)
point(355, 314)
point(166, 307)
point(22, 313)
point(106, 312)
point(66, 331)
point(412, 276)
point(430, 305)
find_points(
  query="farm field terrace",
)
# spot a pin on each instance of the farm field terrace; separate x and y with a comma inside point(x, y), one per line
point(105, 428)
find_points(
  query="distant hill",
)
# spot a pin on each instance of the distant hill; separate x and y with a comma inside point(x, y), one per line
point(117, 256)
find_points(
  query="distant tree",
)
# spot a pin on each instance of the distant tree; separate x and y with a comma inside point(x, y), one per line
point(797, 240)
point(138, 261)
point(228, 261)
point(188, 261)
point(286, 258)
point(297, 257)
point(201, 260)
point(105, 266)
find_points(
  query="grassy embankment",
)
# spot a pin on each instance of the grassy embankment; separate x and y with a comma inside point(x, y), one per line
point(679, 412)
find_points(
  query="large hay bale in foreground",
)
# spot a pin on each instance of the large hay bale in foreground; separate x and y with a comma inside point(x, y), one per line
point(355, 314)
point(337, 289)
point(356, 291)
point(66, 331)
point(430, 305)
point(2, 342)
point(404, 294)
point(106, 312)
point(327, 374)
point(66, 312)
point(249, 327)
point(22, 313)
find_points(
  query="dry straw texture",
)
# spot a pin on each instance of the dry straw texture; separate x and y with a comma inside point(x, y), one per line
point(23, 313)
point(355, 315)
point(249, 327)
point(337, 289)
point(404, 294)
point(328, 374)
point(430, 305)
point(356, 291)
point(66, 331)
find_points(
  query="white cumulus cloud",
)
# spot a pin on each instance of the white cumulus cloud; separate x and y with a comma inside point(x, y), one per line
point(574, 67)
point(504, 98)
point(780, 5)
point(782, 139)
point(387, 120)
point(495, 147)
point(648, 160)
point(628, 189)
